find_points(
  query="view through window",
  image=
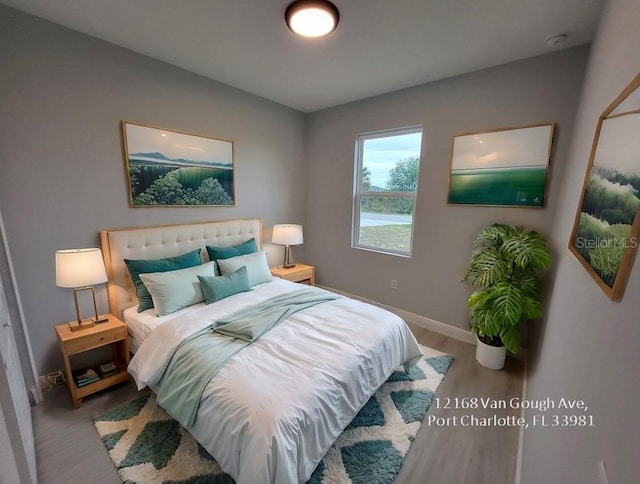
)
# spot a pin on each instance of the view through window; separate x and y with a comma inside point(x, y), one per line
point(385, 190)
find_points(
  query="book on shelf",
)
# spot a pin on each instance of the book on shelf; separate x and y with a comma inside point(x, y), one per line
point(85, 376)
point(108, 369)
point(86, 382)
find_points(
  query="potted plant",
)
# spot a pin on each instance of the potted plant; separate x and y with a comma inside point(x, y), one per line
point(505, 268)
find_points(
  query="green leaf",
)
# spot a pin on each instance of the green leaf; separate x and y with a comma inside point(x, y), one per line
point(487, 268)
point(531, 308)
point(527, 250)
point(483, 322)
point(507, 303)
point(527, 282)
point(493, 236)
point(476, 299)
point(510, 336)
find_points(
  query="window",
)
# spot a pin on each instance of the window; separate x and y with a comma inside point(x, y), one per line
point(385, 190)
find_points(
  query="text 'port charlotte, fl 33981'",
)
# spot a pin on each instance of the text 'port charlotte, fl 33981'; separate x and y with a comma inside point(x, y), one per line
point(548, 412)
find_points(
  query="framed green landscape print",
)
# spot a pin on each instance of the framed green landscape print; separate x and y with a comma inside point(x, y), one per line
point(505, 166)
point(606, 230)
point(166, 167)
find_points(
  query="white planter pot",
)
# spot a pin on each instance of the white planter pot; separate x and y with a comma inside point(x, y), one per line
point(489, 356)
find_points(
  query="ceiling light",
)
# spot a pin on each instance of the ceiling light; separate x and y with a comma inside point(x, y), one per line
point(312, 18)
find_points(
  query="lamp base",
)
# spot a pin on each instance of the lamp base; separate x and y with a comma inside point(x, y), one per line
point(80, 323)
point(287, 262)
point(78, 326)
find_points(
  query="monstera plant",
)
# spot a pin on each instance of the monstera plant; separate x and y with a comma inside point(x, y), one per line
point(505, 269)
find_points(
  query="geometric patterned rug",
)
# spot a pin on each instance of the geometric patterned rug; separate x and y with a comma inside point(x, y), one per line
point(148, 446)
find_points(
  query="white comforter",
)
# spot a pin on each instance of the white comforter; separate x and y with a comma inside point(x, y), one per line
point(275, 408)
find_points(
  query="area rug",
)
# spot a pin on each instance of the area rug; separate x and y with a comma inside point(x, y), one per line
point(148, 446)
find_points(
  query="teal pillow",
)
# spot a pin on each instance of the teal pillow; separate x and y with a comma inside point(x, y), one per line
point(173, 290)
point(219, 287)
point(256, 264)
point(145, 266)
point(248, 247)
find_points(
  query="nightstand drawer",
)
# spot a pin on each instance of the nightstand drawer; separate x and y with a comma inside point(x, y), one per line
point(300, 275)
point(90, 341)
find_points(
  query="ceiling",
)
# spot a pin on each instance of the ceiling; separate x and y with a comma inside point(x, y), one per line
point(378, 47)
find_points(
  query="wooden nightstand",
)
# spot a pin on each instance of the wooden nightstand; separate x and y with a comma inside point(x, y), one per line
point(300, 273)
point(113, 333)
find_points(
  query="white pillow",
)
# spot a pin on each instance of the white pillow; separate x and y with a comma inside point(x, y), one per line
point(256, 264)
point(175, 290)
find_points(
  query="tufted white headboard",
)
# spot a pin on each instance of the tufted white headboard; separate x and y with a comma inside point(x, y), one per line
point(164, 241)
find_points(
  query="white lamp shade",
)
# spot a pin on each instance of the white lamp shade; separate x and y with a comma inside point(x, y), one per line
point(287, 234)
point(79, 267)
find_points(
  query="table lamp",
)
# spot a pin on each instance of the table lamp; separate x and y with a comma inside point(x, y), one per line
point(80, 269)
point(287, 235)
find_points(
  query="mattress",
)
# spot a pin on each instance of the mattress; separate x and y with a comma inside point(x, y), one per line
point(140, 325)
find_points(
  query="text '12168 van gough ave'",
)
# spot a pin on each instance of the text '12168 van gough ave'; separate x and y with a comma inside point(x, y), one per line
point(566, 413)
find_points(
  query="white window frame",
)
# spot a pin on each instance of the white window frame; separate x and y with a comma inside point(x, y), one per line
point(359, 192)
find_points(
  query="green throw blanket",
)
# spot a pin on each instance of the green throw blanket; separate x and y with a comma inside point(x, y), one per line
point(198, 358)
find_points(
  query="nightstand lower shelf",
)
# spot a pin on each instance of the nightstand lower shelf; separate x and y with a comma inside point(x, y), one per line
point(91, 388)
point(112, 333)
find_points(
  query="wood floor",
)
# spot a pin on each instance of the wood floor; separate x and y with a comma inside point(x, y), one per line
point(68, 448)
point(465, 455)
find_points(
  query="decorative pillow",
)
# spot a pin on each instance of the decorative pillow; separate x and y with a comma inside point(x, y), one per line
point(173, 290)
point(256, 264)
point(144, 266)
point(248, 247)
point(219, 287)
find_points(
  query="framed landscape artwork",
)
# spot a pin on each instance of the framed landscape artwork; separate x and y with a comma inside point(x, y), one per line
point(501, 167)
point(606, 230)
point(166, 167)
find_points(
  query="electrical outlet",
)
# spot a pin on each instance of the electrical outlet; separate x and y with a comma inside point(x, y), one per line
point(394, 284)
point(602, 473)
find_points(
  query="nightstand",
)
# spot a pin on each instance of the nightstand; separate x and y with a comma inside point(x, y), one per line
point(300, 273)
point(114, 333)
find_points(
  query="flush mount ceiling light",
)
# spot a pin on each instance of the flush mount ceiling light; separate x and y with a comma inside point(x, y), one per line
point(312, 18)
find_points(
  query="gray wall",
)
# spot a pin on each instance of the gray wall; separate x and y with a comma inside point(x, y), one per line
point(62, 97)
point(541, 89)
point(589, 345)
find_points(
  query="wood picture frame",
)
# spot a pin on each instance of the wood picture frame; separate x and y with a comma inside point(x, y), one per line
point(171, 168)
point(606, 228)
point(501, 167)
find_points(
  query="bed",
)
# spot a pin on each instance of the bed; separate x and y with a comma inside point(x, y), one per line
point(274, 409)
